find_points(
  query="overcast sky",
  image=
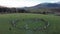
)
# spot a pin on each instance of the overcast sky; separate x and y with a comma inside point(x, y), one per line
point(23, 3)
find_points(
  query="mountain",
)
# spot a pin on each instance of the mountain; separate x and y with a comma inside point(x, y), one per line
point(49, 8)
point(48, 5)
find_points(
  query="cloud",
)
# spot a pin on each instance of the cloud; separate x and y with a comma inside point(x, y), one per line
point(17, 3)
point(23, 3)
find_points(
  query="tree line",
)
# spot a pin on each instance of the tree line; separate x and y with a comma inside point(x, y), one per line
point(13, 10)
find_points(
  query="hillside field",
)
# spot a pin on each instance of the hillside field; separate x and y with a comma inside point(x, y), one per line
point(27, 19)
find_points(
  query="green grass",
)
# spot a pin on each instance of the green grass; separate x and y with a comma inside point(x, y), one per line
point(5, 23)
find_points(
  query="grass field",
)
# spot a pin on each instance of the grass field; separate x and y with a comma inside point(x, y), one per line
point(5, 23)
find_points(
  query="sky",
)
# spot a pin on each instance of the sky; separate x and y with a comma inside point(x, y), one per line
point(23, 3)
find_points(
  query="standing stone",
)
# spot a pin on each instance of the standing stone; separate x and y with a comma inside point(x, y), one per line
point(26, 26)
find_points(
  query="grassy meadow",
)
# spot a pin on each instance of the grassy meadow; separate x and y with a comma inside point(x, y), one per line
point(23, 19)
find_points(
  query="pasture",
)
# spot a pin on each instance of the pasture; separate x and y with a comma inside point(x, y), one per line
point(26, 23)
